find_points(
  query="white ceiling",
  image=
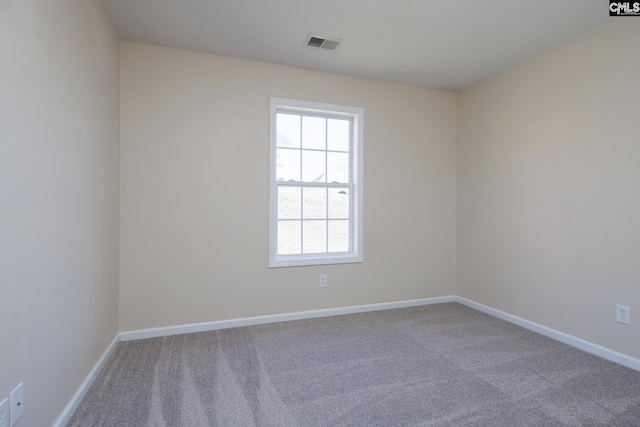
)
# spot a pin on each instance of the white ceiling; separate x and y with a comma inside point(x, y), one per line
point(446, 44)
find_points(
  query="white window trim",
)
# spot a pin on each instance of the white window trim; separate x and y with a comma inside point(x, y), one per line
point(355, 255)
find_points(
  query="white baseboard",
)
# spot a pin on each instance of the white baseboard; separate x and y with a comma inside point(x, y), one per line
point(285, 317)
point(589, 347)
point(71, 407)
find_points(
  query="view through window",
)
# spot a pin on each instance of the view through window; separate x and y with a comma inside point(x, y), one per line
point(315, 164)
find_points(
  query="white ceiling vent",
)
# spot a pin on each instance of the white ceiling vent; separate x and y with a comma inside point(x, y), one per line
point(322, 42)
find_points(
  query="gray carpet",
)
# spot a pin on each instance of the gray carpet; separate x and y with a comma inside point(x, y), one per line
point(438, 365)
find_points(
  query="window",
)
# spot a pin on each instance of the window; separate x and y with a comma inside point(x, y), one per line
point(316, 184)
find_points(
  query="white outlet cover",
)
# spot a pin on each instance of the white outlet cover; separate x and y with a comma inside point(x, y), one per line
point(4, 413)
point(623, 314)
point(16, 399)
point(323, 281)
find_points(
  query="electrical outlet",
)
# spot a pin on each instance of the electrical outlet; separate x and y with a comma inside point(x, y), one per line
point(16, 400)
point(623, 314)
point(322, 283)
point(4, 413)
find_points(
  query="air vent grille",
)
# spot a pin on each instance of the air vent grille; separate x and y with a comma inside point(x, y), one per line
point(322, 42)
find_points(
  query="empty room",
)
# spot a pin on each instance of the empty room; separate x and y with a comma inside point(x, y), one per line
point(306, 213)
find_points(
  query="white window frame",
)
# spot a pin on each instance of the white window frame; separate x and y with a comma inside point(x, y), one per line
point(356, 185)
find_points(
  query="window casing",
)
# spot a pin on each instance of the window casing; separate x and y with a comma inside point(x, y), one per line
point(315, 183)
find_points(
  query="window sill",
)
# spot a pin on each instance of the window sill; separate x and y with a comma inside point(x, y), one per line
point(320, 259)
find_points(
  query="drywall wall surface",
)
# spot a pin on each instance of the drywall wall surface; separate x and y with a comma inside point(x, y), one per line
point(59, 198)
point(195, 190)
point(548, 188)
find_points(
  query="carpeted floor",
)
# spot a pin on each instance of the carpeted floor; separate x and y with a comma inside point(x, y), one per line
point(437, 365)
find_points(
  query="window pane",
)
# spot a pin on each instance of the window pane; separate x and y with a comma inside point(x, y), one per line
point(313, 166)
point(287, 165)
point(314, 132)
point(289, 202)
point(289, 238)
point(315, 237)
point(315, 203)
point(338, 167)
point(288, 130)
point(339, 203)
point(338, 135)
point(339, 236)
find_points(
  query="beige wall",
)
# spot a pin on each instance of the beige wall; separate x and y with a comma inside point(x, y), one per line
point(195, 191)
point(549, 188)
point(59, 127)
